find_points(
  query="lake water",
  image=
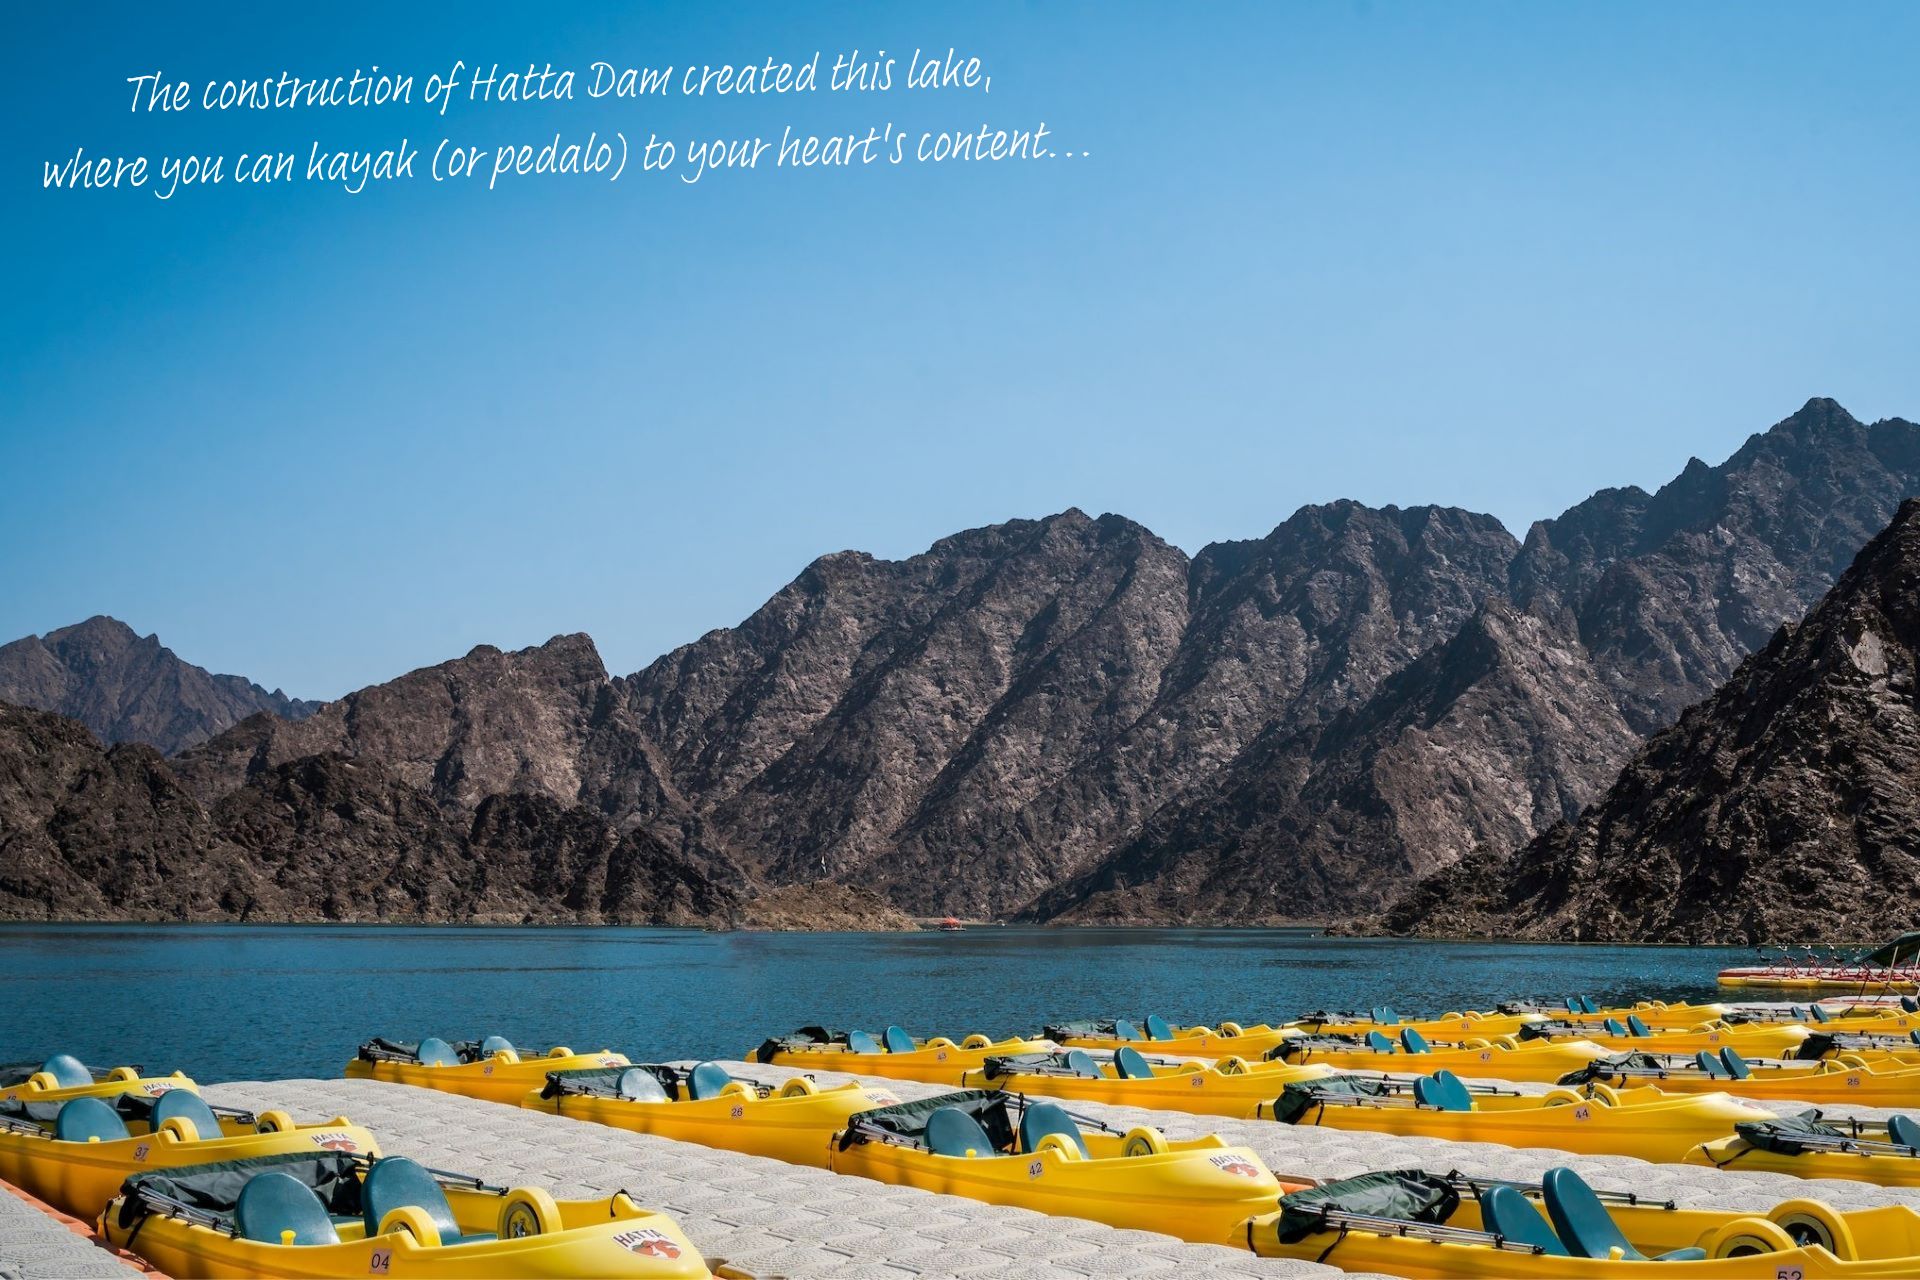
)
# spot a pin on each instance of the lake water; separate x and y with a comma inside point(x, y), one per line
point(231, 1002)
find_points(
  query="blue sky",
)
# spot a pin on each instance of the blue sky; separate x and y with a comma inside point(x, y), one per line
point(1493, 255)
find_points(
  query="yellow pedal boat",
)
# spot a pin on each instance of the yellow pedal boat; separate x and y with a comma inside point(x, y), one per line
point(1156, 1035)
point(1600, 1121)
point(341, 1215)
point(1813, 1145)
point(1216, 1087)
point(1005, 1150)
point(1754, 1040)
point(1448, 1026)
point(1419, 1224)
point(1504, 1058)
point(75, 1154)
point(894, 1053)
point(796, 1121)
point(1847, 1079)
point(491, 1069)
point(64, 1076)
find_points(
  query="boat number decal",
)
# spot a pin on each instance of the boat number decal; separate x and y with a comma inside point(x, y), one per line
point(1034, 1169)
point(1583, 1113)
point(378, 1262)
point(738, 1111)
point(140, 1152)
point(1713, 1037)
point(1237, 1165)
point(1486, 1055)
point(1198, 1081)
point(1853, 1082)
point(487, 1070)
point(648, 1243)
point(940, 1056)
point(335, 1142)
point(1789, 1273)
point(156, 1088)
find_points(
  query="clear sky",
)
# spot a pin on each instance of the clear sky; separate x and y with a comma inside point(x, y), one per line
point(1491, 255)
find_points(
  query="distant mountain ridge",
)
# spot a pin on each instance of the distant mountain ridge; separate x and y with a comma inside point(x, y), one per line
point(126, 688)
point(1068, 719)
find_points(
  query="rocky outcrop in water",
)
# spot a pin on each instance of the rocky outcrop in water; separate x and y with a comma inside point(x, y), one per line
point(128, 689)
point(1782, 808)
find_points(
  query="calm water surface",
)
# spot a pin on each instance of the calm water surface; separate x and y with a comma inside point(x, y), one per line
point(232, 1002)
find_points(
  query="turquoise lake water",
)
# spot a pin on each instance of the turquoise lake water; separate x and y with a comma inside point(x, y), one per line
point(234, 1002)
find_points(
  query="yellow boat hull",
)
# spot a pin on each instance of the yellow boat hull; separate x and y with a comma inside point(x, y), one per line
point(505, 1077)
point(1224, 1041)
point(797, 1127)
point(1200, 1190)
point(1834, 1080)
point(601, 1240)
point(1856, 1166)
point(1452, 1026)
point(1643, 1122)
point(1198, 1088)
point(41, 1087)
point(1537, 1061)
point(1769, 1041)
point(80, 1177)
point(937, 1061)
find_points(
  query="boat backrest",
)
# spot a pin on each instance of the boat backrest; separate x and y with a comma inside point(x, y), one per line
point(67, 1071)
point(1735, 1064)
point(898, 1041)
point(1413, 1041)
point(862, 1042)
point(1614, 1027)
point(641, 1086)
point(435, 1052)
point(1581, 1221)
point(495, 1044)
point(1710, 1064)
point(181, 1104)
point(1444, 1090)
point(1157, 1028)
point(1379, 1043)
point(1590, 1004)
point(274, 1203)
point(397, 1182)
point(1910, 1004)
point(1636, 1027)
point(1125, 1030)
point(1043, 1118)
point(1903, 1130)
point(952, 1132)
point(1510, 1215)
point(1081, 1063)
point(1574, 1005)
point(1819, 1013)
point(1384, 1015)
point(707, 1080)
point(1131, 1066)
point(81, 1119)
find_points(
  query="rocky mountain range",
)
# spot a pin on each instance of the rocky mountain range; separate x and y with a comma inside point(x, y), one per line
point(1782, 808)
point(1067, 718)
point(129, 689)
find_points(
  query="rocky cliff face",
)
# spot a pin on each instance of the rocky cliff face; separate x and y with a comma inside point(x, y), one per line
point(1781, 808)
point(128, 689)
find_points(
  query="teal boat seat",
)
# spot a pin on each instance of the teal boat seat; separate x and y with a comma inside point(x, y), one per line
point(1081, 1063)
point(1903, 1130)
point(1512, 1217)
point(1574, 1005)
point(1443, 1090)
point(1385, 1015)
point(83, 1119)
point(1735, 1064)
point(397, 1182)
point(180, 1104)
point(1914, 1036)
point(862, 1042)
point(1157, 1028)
point(1613, 1027)
point(1125, 1030)
point(67, 1071)
point(642, 1086)
point(1636, 1027)
point(1413, 1041)
point(272, 1204)
point(1819, 1013)
point(1712, 1065)
point(435, 1052)
point(1131, 1066)
point(898, 1041)
point(1591, 1005)
point(496, 1044)
point(1910, 1004)
point(1799, 1014)
point(1043, 1118)
point(1586, 1228)
point(1379, 1043)
point(952, 1132)
point(707, 1080)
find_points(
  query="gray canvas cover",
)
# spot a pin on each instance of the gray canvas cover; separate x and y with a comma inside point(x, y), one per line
point(1406, 1195)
